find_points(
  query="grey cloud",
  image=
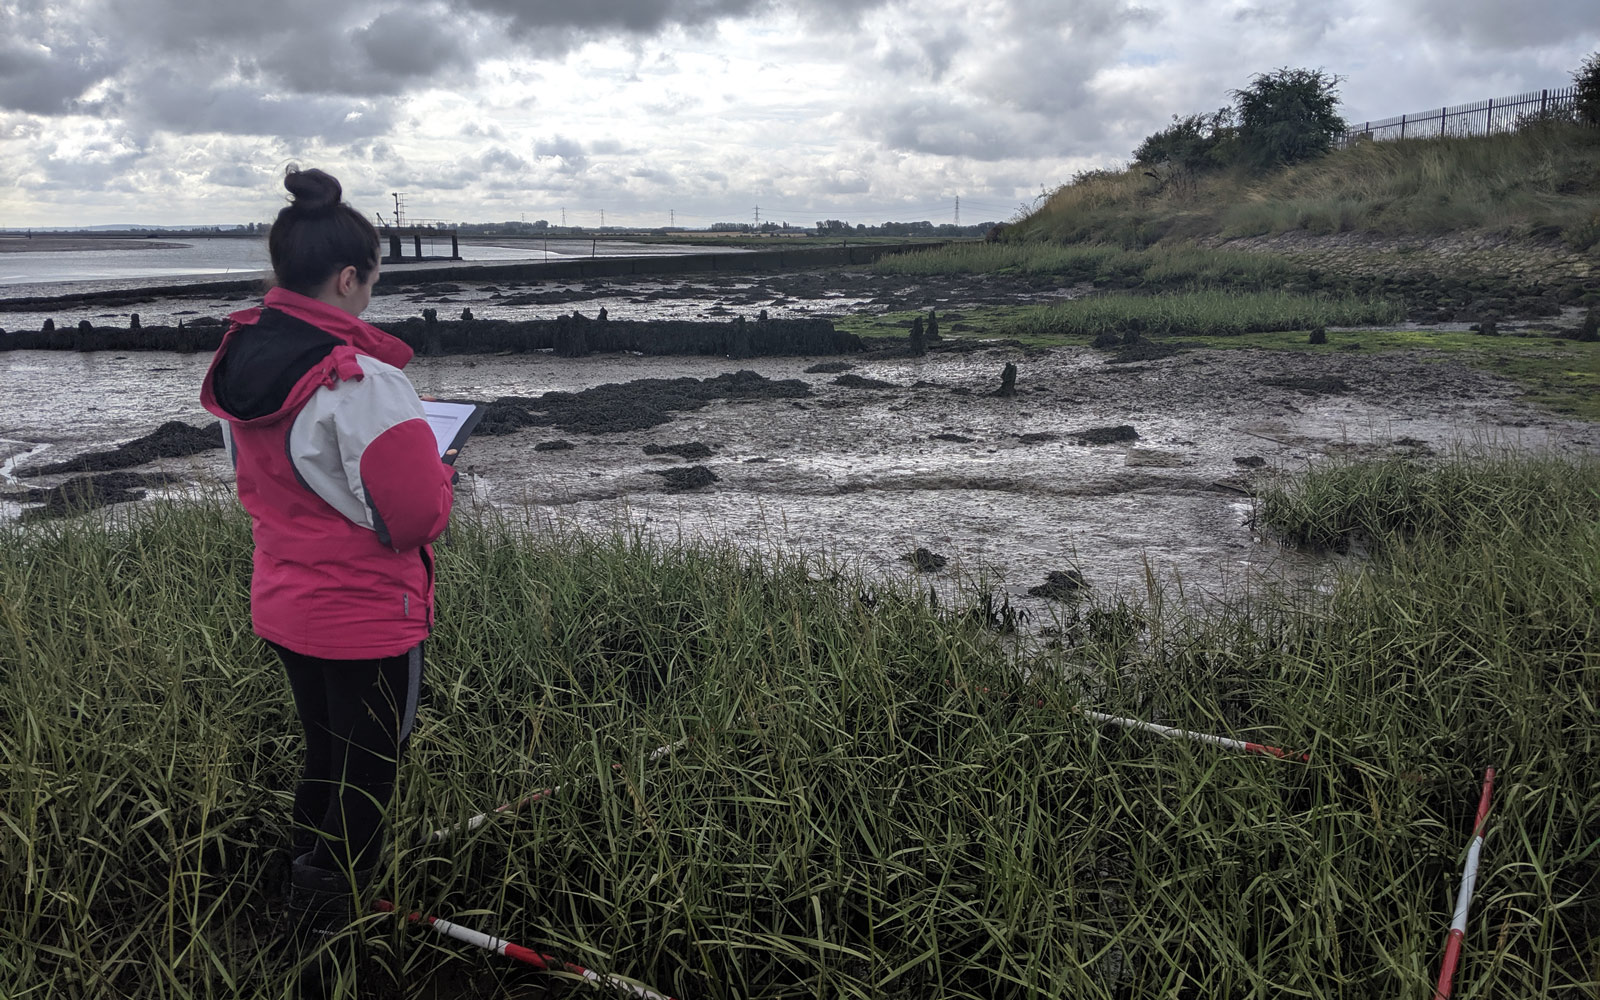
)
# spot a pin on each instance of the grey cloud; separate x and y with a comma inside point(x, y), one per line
point(941, 129)
point(238, 175)
point(382, 57)
point(404, 43)
point(481, 130)
point(368, 48)
point(934, 125)
point(498, 158)
point(845, 183)
point(633, 16)
point(1502, 26)
point(570, 152)
point(172, 104)
point(927, 58)
point(96, 166)
point(49, 80)
point(660, 177)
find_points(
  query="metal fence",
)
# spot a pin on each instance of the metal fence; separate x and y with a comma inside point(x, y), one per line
point(1497, 114)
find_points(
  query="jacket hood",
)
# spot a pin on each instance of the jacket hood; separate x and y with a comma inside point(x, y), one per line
point(274, 357)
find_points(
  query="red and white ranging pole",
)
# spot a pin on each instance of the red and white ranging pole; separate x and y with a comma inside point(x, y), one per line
point(517, 952)
point(1187, 734)
point(1469, 877)
point(500, 946)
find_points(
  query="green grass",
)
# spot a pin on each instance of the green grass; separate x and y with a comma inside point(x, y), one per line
point(862, 810)
point(1184, 268)
point(1541, 180)
point(985, 323)
point(1200, 313)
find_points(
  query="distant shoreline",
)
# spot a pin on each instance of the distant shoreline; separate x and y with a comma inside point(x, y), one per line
point(54, 244)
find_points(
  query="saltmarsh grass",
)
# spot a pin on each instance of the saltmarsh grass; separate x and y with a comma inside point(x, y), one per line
point(1202, 313)
point(877, 798)
point(1105, 266)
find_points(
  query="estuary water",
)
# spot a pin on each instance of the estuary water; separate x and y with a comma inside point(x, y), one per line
point(125, 263)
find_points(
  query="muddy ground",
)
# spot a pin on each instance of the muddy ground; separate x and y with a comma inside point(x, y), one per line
point(710, 296)
point(907, 454)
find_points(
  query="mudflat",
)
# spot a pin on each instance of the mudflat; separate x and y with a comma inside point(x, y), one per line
point(55, 244)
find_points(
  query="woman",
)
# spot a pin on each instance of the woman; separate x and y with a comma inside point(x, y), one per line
point(342, 479)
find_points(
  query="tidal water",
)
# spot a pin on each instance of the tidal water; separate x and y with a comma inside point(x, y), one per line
point(30, 273)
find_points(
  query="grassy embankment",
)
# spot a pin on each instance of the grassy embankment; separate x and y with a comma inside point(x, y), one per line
point(1543, 182)
point(861, 811)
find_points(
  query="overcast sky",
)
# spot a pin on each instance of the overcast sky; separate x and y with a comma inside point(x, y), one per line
point(186, 111)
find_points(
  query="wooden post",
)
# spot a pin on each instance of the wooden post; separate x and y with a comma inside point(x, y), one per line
point(394, 245)
point(1402, 126)
point(416, 241)
point(1544, 102)
point(455, 247)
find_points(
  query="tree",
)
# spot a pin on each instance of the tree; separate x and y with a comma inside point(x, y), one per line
point(1587, 78)
point(1287, 116)
point(1191, 143)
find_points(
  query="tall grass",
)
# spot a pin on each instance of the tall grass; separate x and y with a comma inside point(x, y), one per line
point(878, 799)
point(1207, 313)
point(1535, 180)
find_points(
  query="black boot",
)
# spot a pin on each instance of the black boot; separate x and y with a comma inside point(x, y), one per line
point(321, 908)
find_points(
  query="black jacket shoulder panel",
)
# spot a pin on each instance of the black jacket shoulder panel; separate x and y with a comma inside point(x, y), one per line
point(265, 360)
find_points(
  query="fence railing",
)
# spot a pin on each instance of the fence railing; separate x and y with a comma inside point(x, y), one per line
point(1497, 114)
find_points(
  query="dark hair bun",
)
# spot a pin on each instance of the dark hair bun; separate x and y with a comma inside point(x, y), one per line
point(315, 192)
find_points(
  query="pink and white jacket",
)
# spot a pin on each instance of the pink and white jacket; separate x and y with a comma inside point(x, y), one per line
point(340, 473)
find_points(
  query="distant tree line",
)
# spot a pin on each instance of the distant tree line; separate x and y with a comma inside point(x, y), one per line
point(503, 228)
point(838, 227)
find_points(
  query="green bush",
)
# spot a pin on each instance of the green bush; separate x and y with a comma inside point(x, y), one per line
point(1287, 116)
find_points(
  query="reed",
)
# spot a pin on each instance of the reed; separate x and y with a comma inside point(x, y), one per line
point(879, 797)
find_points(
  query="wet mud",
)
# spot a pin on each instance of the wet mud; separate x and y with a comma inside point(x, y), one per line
point(84, 493)
point(173, 439)
point(1104, 468)
point(690, 477)
point(924, 561)
point(630, 406)
point(1061, 585)
point(1315, 386)
point(689, 450)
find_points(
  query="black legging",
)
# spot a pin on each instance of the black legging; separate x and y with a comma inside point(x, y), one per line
point(357, 716)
